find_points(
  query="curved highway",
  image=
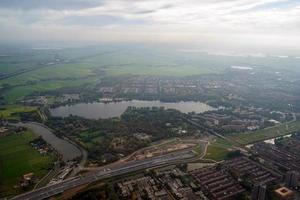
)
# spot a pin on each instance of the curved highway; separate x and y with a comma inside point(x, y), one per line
point(104, 173)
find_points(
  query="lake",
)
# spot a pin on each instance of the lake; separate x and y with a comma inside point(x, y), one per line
point(115, 109)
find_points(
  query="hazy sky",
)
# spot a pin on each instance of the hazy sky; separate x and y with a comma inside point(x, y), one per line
point(265, 23)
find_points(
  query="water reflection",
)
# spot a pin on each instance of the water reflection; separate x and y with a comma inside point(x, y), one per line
point(107, 110)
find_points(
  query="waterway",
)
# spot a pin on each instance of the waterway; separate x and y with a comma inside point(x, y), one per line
point(65, 148)
point(115, 109)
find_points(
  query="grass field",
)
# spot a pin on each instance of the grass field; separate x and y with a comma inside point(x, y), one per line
point(216, 153)
point(83, 67)
point(18, 93)
point(57, 72)
point(75, 64)
point(218, 149)
point(166, 70)
point(17, 157)
point(267, 133)
point(11, 111)
point(46, 78)
point(73, 75)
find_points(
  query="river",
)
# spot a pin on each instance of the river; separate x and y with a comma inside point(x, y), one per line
point(115, 109)
point(66, 149)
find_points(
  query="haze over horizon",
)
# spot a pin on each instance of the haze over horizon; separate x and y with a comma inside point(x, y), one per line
point(150, 99)
point(217, 24)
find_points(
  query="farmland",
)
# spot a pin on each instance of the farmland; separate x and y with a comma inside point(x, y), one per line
point(39, 71)
point(12, 111)
point(17, 93)
point(17, 157)
point(32, 70)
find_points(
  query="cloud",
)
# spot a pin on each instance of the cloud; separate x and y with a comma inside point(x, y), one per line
point(49, 4)
point(242, 22)
point(101, 21)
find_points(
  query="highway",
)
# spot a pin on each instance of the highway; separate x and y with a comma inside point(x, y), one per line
point(103, 173)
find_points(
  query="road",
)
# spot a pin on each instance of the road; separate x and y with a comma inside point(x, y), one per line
point(209, 130)
point(105, 172)
point(202, 127)
point(204, 149)
point(238, 146)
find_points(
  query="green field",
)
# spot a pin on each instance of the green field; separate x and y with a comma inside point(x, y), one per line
point(218, 149)
point(47, 79)
point(78, 67)
point(19, 92)
point(77, 74)
point(216, 153)
point(59, 72)
point(11, 111)
point(17, 157)
point(167, 70)
point(267, 133)
point(72, 67)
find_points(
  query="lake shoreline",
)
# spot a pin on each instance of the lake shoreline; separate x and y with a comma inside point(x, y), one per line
point(101, 110)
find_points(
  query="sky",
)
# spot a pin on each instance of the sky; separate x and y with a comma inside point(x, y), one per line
point(209, 23)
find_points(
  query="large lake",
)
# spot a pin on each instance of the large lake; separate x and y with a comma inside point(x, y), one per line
point(107, 110)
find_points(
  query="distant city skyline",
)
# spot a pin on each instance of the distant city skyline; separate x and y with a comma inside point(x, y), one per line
point(208, 23)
